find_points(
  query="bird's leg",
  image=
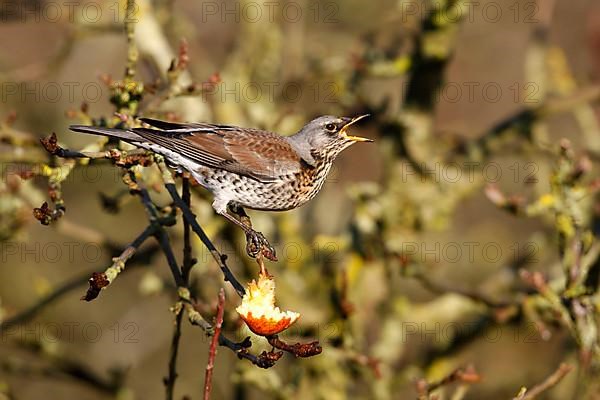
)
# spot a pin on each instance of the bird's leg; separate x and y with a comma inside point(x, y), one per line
point(256, 242)
point(241, 213)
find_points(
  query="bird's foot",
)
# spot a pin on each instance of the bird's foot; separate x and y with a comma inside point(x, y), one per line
point(257, 244)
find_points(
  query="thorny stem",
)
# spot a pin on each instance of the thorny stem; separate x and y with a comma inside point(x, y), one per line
point(213, 345)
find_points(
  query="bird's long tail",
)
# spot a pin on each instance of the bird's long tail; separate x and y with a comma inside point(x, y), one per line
point(127, 136)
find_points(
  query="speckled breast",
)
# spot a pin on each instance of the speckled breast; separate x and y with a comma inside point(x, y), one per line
point(287, 192)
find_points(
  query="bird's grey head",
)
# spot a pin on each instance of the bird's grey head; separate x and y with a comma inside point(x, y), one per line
point(325, 137)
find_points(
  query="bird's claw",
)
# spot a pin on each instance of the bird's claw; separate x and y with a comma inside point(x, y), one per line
point(257, 243)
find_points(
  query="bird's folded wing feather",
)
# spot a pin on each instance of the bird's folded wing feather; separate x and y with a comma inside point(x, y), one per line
point(258, 154)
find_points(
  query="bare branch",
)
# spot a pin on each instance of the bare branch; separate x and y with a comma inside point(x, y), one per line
point(213, 345)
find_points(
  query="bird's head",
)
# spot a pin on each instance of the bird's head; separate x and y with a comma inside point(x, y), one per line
point(327, 135)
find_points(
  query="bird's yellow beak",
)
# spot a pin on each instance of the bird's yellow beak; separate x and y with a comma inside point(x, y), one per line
point(354, 138)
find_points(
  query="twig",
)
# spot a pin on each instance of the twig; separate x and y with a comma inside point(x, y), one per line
point(188, 263)
point(169, 381)
point(188, 260)
point(100, 280)
point(168, 251)
point(165, 244)
point(263, 360)
point(548, 383)
point(132, 51)
point(51, 145)
point(297, 349)
point(194, 316)
point(160, 233)
point(462, 374)
point(213, 345)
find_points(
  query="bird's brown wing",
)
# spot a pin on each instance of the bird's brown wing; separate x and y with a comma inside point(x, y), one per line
point(254, 153)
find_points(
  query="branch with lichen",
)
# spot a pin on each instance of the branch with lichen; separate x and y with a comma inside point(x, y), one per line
point(100, 280)
point(569, 297)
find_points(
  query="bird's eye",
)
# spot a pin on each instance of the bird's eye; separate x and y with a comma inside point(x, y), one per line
point(330, 127)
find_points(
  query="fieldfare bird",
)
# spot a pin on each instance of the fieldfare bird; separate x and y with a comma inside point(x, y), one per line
point(246, 167)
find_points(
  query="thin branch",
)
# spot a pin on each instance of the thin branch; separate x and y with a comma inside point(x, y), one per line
point(169, 381)
point(213, 345)
point(548, 383)
point(188, 260)
point(160, 233)
point(463, 375)
point(132, 51)
point(122, 157)
point(165, 244)
point(297, 349)
point(263, 360)
point(100, 280)
point(191, 309)
point(188, 263)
